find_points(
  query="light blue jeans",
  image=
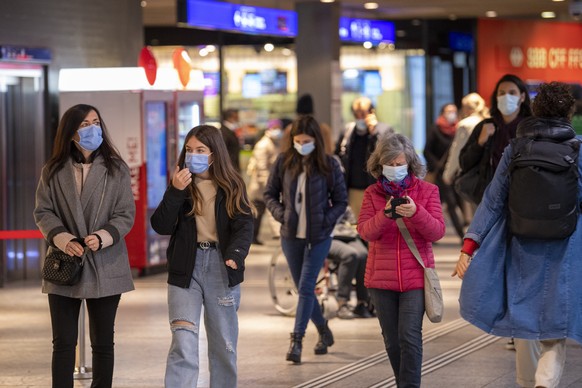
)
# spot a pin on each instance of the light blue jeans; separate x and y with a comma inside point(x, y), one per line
point(208, 288)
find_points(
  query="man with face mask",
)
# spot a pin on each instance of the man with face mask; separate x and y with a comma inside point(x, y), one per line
point(354, 147)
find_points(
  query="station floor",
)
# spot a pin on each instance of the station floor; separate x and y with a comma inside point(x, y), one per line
point(456, 354)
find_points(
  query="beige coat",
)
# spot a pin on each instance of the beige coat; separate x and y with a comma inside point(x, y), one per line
point(264, 155)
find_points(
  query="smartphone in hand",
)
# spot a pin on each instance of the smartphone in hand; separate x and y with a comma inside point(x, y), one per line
point(395, 202)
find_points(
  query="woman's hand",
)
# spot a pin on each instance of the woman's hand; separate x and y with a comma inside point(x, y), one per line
point(387, 208)
point(73, 248)
point(230, 263)
point(462, 265)
point(406, 209)
point(486, 132)
point(181, 178)
point(92, 242)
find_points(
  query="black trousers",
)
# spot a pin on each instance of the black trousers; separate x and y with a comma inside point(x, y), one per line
point(64, 319)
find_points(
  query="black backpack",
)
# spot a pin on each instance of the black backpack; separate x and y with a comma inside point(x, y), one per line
point(543, 189)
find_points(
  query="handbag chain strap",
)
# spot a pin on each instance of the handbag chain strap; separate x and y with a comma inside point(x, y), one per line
point(409, 241)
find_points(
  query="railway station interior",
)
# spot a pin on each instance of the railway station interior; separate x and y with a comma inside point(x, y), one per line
point(157, 68)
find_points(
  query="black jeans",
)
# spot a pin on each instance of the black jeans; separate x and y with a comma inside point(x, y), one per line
point(64, 319)
point(400, 315)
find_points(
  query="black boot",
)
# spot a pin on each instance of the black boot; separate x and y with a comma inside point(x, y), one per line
point(294, 353)
point(325, 339)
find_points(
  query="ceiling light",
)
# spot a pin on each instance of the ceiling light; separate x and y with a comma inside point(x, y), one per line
point(491, 14)
point(286, 52)
point(327, 1)
point(548, 15)
point(269, 47)
point(210, 48)
point(144, 4)
point(368, 45)
point(557, 1)
point(371, 5)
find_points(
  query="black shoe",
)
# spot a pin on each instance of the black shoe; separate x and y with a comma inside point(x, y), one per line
point(295, 348)
point(363, 311)
point(325, 339)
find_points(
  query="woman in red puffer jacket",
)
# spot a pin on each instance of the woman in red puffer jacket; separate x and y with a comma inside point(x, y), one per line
point(394, 277)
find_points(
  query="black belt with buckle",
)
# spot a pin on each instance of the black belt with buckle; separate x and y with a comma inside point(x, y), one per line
point(206, 245)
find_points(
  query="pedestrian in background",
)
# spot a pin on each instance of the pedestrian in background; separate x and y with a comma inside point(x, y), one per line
point(394, 277)
point(354, 146)
point(473, 111)
point(524, 287)
point(262, 159)
point(85, 207)
point(230, 124)
point(208, 214)
point(306, 194)
point(436, 151)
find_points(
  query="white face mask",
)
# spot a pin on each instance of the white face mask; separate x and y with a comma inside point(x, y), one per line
point(361, 126)
point(395, 174)
point(508, 104)
point(451, 117)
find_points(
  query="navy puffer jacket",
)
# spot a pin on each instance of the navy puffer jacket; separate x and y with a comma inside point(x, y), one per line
point(326, 198)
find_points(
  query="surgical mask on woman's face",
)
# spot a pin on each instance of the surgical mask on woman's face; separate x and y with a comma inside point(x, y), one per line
point(276, 133)
point(197, 163)
point(304, 149)
point(361, 126)
point(507, 104)
point(395, 173)
point(90, 137)
point(451, 117)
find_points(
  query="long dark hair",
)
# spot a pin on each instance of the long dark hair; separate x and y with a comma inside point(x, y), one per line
point(64, 149)
point(221, 172)
point(524, 108)
point(317, 160)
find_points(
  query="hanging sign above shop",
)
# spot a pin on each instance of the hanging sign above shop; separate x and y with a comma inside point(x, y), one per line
point(25, 54)
point(240, 18)
point(366, 30)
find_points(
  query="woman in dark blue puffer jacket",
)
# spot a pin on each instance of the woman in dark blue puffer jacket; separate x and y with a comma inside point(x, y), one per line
point(306, 193)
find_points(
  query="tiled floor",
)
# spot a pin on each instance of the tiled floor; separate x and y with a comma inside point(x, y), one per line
point(455, 353)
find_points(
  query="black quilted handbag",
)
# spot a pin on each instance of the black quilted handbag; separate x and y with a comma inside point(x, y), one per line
point(62, 269)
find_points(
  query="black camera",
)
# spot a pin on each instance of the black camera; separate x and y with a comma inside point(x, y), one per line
point(393, 203)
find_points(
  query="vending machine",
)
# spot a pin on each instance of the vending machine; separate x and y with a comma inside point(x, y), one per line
point(148, 125)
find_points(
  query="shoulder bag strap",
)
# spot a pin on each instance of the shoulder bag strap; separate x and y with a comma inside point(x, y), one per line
point(409, 241)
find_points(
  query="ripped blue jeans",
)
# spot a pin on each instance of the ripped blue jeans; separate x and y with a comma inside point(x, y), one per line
point(208, 288)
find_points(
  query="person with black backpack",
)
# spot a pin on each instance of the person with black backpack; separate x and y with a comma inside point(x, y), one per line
point(523, 244)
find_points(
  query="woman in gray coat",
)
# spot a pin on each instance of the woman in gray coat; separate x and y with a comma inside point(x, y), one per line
point(85, 207)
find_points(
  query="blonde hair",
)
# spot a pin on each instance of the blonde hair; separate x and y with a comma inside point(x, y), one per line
point(474, 104)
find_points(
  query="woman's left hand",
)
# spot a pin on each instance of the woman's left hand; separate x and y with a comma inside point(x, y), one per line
point(231, 263)
point(407, 209)
point(92, 242)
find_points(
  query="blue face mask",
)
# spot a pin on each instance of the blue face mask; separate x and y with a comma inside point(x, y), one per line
point(395, 174)
point(90, 137)
point(197, 163)
point(304, 149)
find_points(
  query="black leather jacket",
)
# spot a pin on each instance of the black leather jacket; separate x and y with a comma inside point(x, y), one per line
point(234, 236)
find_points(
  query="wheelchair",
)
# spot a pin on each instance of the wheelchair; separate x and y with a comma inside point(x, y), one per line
point(284, 294)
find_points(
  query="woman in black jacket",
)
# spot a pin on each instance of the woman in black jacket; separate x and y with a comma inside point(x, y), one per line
point(510, 103)
point(306, 193)
point(208, 214)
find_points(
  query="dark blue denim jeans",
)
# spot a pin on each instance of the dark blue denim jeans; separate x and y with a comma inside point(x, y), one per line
point(305, 265)
point(400, 315)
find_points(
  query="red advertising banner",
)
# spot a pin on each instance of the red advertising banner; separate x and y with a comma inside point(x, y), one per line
point(536, 51)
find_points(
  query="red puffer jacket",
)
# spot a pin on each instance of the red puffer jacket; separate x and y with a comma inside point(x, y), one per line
point(391, 265)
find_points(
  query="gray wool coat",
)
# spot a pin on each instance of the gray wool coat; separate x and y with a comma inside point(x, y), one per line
point(59, 208)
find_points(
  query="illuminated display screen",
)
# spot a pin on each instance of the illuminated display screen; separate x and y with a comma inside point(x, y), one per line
point(241, 18)
point(366, 30)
